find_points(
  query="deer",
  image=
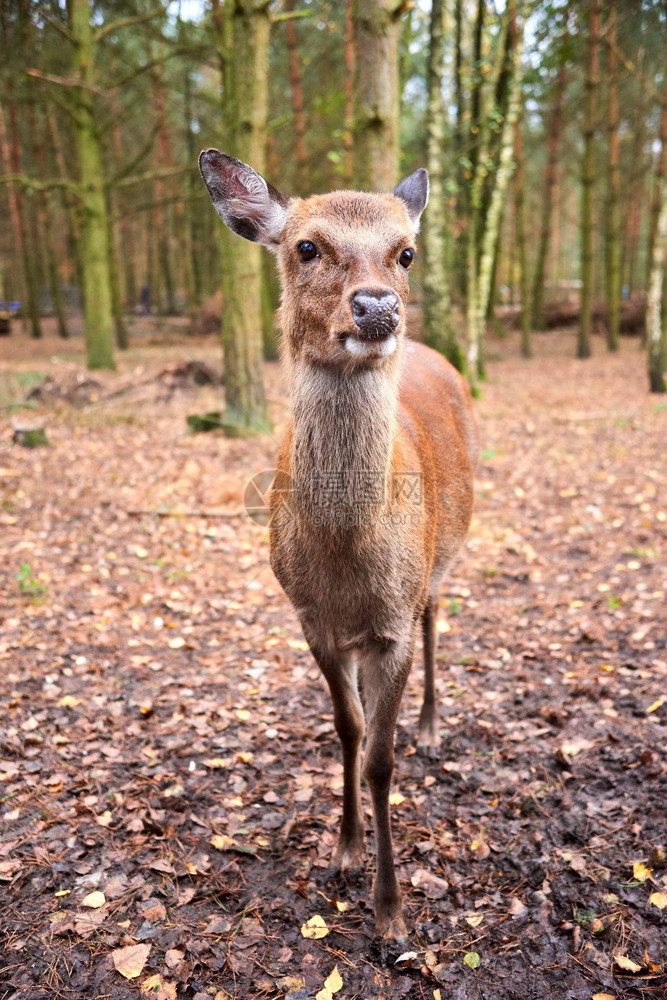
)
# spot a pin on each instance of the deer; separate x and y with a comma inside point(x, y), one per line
point(373, 493)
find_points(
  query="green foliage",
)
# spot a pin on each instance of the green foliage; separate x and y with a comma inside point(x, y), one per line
point(28, 584)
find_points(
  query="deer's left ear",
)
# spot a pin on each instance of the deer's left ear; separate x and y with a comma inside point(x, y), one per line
point(243, 199)
point(413, 192)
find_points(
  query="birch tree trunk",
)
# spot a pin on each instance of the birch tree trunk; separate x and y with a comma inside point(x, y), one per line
point(587, 182)
point(520, 212)
point(438, 326)
point(376, 34)
point(242, 26)
point(97, 301)
point(613, 217)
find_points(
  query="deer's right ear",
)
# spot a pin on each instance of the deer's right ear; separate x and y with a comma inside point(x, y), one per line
point(243, 199)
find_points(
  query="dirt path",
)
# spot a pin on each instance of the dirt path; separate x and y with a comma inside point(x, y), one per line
point(166, 740)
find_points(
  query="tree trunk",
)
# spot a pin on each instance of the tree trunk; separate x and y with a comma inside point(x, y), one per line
point(300, 152)
point(13, 206)
point(490, 235)
point(655, 326)
point(98, 314)
point(587, 182)
point(30, 269)
point(438, 327)
point(350, 59)
point(555, 133)
point(376, 34)
point(520, 215)
point(243, 26)
point(613, 228)
point(658, 182)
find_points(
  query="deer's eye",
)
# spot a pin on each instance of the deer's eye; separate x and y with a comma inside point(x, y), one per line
point(406, 258)
point(307, 250)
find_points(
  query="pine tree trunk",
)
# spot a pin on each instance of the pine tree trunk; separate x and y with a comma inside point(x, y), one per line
point(26, 244)
point(555, 133)
point(520, 215)
point(243, 26)
point(613, 228)
point(350, 60)
point(18, 276)
point(98, 314)
point(655, 325)
point(438, 326)
point(587, 182)
point(300, 151)
point(376, 34)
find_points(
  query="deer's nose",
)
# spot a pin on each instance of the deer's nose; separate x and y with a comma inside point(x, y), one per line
point(375, 312)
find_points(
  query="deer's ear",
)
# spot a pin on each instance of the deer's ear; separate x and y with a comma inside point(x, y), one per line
point(413, 192)
point(243, 199)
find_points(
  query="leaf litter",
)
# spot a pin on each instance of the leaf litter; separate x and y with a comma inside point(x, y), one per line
point(168, 748)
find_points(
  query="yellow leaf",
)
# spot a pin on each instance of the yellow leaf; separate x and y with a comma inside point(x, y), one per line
point(341, 907)
point(297, 644)
point(66, 892)
point(603, 996)
point(130, 961)
point(217, 762)
point(475, 920)
point(443, 626)
point(437, 995)
point(626, 963)
point(332, 984)
point(656, 705)
point(396, 799)
point(658, 899)
point(222, 842)
point(641, 872)
point(176, 643)
point(69, 701)
point(609, 668)
point(471, 959)
point(315, 928)
point(244, 757)
point(242, 714)
point(94, 900)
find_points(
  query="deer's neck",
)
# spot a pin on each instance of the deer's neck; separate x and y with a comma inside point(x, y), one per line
point(345, 425)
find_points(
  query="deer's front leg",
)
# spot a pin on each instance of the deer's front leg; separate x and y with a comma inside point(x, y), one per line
point(384, 677)
point(340, 672)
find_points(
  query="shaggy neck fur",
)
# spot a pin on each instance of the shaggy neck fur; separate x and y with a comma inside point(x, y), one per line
point(344, 429)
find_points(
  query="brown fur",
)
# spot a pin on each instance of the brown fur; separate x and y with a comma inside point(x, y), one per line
point(362, 566)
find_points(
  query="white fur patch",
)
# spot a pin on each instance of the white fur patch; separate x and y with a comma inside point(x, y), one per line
point(371, 348)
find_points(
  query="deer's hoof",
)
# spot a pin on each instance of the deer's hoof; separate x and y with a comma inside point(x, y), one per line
point(393, 936)
point(428, 744)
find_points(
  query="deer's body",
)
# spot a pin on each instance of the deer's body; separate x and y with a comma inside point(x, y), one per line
point(374, 492)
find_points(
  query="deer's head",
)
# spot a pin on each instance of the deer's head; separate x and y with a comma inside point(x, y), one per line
point(344, 258)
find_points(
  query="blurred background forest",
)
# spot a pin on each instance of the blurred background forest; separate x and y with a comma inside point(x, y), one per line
point(543, 127)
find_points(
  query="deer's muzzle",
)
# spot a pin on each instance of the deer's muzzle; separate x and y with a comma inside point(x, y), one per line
point(376, 312)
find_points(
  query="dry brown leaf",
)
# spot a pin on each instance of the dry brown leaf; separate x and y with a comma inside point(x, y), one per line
point(431, 885)
point(130, 961)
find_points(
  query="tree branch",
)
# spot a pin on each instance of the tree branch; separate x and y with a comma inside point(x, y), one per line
point(30, 182)
point(63, 81)
point(123, 22)
point(151, 175)
point(290, 15)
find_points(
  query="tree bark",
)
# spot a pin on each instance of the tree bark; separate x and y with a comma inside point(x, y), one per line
point(376, 34)
point(300, 151)
point(243, 26)
point(520, 216)
point(95, 226)
point(655, 326)
point(438, 326)
point(555, 133)
point(587, 182)
point(350, 60)
point(613, 219)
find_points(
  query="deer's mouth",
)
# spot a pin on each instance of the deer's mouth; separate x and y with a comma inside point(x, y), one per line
point(369, 344)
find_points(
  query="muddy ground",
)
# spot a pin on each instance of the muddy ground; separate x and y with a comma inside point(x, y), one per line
point(169, 773)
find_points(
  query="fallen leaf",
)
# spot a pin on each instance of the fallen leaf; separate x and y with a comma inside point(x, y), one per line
point(131, 960)
point(158, 989)
point(640, 871)
point(332, 984)
point(603, 996)
point(658, 899)
point(395, 799)
point(431, 885)
point(315, 928)
point(471, 959)
point(69, 701)
point(217, 762)
point(243, 715)
point(623, 962)
point(298, 644)
point(517, 908)
point(176, 643)
point(656, 705)
point(94, 899)
point(475, 919)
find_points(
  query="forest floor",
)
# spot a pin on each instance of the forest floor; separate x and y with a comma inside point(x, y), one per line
point(170, 779)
